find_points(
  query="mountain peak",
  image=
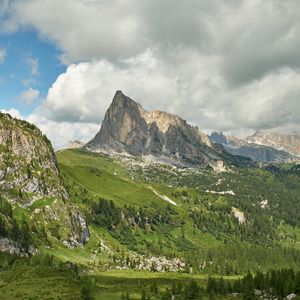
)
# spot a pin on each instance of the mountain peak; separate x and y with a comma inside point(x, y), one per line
point(128, 128)
point(119, 97)
point(122, 101)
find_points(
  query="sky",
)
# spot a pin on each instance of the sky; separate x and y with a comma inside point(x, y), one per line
point(231, 66)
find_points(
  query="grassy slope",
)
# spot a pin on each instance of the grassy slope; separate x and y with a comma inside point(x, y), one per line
point(101, 176)
point(104, 177)
point(92, 176)
point(27, 282)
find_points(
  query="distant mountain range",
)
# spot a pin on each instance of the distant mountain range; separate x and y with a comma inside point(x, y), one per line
point(128, 128)
point(286, 142)
point(75, 144)
point(261, 146)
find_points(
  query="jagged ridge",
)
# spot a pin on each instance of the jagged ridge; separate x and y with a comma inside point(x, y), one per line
point(127, 127)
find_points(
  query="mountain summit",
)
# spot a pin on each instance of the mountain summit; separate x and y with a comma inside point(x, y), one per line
point(128, 128)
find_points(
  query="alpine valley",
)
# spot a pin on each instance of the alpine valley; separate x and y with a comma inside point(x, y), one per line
point(150, 208)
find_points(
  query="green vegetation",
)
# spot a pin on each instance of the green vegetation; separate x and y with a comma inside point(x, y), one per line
point(155, 230)
point(57, 280)
point(127, 198)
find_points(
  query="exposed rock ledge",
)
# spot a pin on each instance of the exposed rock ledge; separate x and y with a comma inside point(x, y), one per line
point(11, 247)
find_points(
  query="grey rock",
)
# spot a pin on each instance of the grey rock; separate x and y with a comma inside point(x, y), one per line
point(12, 247)
point(128, 128)
point(2, 175)
point(29, 159)
point(32, 186)
point(28, 166)
point(291, 296)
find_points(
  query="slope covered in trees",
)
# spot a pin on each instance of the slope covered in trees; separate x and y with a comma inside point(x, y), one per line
point(214, 223)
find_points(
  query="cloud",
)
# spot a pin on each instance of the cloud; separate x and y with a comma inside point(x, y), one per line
point(33, 63)
point(226, 65)
point(250, 38)
point(85, 29)
point(84, 92)
point(60, 133)
point(8, 23)
point(28, 81)
point(3, 55)
point(13, 112)
point(30, 95)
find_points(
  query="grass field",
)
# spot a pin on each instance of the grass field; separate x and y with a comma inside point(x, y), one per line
point(35, 283)
point(217, 246)
point(131, 182)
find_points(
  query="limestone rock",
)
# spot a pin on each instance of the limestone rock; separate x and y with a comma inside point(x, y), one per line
point(128, 128)
point(27, 162)
point(28, 173)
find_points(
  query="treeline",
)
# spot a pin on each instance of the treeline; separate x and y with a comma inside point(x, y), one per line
point(106, 214)
point(122, 222)
point(11, 229)
point(269, 285)
point(235, 258)
point(50, 263)
point(279, 283)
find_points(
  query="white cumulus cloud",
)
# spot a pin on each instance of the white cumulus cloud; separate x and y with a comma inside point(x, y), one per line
point(60, 133)
point(84, 92)
point(30, 95)
point(226, 65)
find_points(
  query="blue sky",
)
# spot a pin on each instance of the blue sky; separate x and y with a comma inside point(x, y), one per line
point(23, 49)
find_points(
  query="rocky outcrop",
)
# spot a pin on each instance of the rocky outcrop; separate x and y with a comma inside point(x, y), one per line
point(28, 169)
point(128, 128)
point(11, 247)
point(256, 152)
point(64, 222)
point(29, 173)
point(219, 137)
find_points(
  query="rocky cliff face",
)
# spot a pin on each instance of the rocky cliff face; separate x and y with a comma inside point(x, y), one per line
point(29, 174)
point(251, 148)
point(28, 170)
point(128, 128)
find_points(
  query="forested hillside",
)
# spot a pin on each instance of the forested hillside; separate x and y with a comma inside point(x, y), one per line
point(160, 217)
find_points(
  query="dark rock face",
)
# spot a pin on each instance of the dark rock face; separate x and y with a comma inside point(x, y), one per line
point(123, 128)
point(127, 127)
point(218, 137)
